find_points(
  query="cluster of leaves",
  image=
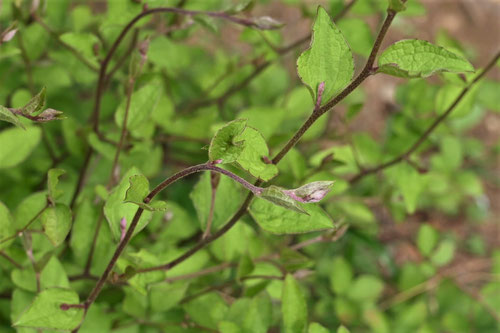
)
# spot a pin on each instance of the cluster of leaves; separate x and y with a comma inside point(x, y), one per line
point(79, 221)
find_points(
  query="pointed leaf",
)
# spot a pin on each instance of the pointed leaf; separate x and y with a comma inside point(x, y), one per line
point(413, 58)
point(6, 226)
point(245, 267)
point(277, 196)
point(45, 312)
point(312, 192)
point(293, 307)
point(35, 105)
point(317, 328)
point(253, 156)
point(137, 192)
point(328, 60)
point(224, 145)
point(56, 223)
point(279, 220)
point(8, 116)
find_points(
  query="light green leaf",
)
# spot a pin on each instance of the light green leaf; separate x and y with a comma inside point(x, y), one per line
point(228, 198)
point(365, 288)
point(245, 267)
point(143, 102)
point(340, 276)
point(397, 5)
point(413, 58)
point(317, 328)
point(8, 116)
point(175, 292)
point(56, 223)
point(444, 253)
point(83, 43)
point(410, 182)
point(427, 239)
point(45, 312)
point(35, 104)
point(277, 196)
point(52, 180)
point(17, 144)
point(259, 315)
point(359, 35)
point(6, 226)
point(279, 220)
point(293, 307)
point(115, 209)
point(207, 310)
point(265, 119)
point(137, 192)
point(342, 329)
point(252, 157)
point(224, 145)
point(328, 60)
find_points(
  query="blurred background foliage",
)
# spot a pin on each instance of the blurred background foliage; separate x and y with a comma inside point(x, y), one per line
point(422, 251)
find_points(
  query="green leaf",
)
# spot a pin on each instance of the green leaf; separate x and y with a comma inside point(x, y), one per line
point(293, 307)
point(143, 102)
point(397, 5)
point(115, 209)
point(175, 292)
point(410, 182)
point(224, 145)
point(342, 329)
point(207, 310)
point(45, 312)
point(317, 328)
point(365, 288)
point(328, 60)
point(252, 157)
point(138, 191)
point(245, 267)
point(35, 105)
point(444, 253)
point(52, 180)
point(17, 144)
point(228, 198)
point(56, 223)
point(427, 238)
point(413, 58)
point(340, 276)
point(6, 226)
point(277, 196)
point(279, 220)
point(8, 116)
point(83, 43)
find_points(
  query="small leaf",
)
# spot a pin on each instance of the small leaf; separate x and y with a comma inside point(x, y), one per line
point(224, 145)
point(35, 105)
point(293, 307)
point(267, 23)
point(137, 192)
point(427, 238)
point(312, 192)
point(16, 145)
point(342, 329)
point(397, 5)
point(277, 196)
point(52, 181)
point(317, 328)
point(254, 153)
point(49, 115)
point(8, 116)
point(413, 58)
point(45, 312)
point(328, 60)
point(56, 223)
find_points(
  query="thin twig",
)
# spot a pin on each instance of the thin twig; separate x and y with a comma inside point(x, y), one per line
point(11, 260)
point(20, 231)
point(430, 129)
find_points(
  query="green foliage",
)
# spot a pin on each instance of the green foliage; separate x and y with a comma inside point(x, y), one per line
point(327, 43)
point(251, 211)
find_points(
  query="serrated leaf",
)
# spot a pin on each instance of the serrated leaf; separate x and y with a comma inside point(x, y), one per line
point(293, 307)
point(279, 220)
point(252, 157)
point(52, 181)
point(6, 226)
point(413, 58)
point(45, 312)
point(35, 105)
point(224, 145)
point(328, 60)
point(17, 144)
point(8, 116)
point(137, 192)
point(277, 196)
point(56, 223)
